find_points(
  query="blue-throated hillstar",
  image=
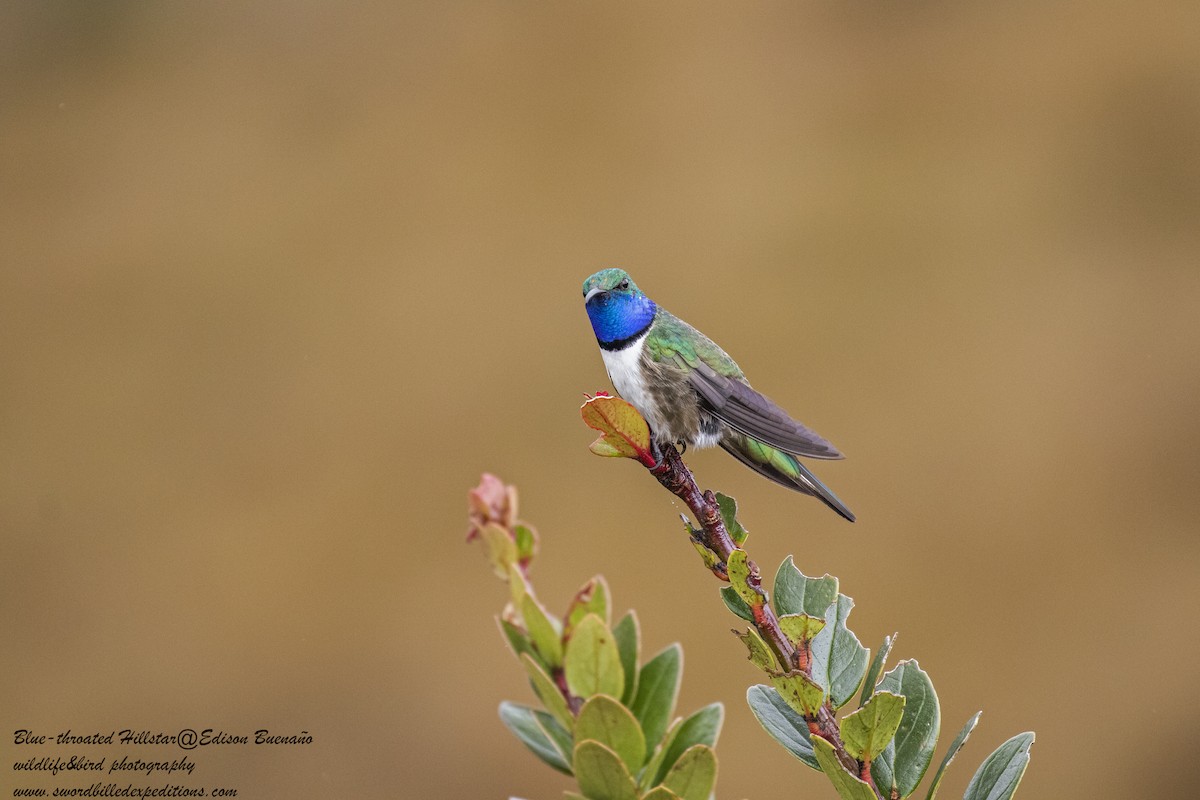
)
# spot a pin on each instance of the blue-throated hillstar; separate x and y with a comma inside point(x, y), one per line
point(691, 392)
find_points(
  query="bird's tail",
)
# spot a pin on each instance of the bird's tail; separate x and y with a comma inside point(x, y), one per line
point(781, 467)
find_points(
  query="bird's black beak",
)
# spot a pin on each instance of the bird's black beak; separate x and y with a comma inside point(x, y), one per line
point(593, 292)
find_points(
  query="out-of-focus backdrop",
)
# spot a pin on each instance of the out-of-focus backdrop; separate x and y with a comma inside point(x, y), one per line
point(281, 280)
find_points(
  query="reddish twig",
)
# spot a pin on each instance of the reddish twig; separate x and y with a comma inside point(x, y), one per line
point(673, 474)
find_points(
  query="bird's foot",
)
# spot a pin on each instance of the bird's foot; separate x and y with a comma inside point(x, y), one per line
point(656, 452)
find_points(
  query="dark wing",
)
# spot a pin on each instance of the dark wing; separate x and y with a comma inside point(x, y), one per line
point(748, 412)
point(803, 481)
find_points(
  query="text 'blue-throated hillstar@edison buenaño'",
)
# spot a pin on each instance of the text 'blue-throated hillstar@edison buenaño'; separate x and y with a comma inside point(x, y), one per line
point(690, 391)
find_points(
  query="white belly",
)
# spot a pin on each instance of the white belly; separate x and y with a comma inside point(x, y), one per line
point(624, 370)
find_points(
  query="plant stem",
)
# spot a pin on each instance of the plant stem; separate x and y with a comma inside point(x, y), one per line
point(673, 474)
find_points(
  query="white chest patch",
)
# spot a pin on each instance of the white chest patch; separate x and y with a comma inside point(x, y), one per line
point(625, 372)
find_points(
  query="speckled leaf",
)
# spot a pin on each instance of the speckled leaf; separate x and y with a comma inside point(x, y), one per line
point(1000, 774)
point(848, 786)
point(658, 688)
point(601, 773)
point(728, 508)
point(707, 556)
point(739, 571)
point(524, 724)
point(592, 664)
point(605, 720)
point(702, 727)
point(839, 659)
point(545, 633)
point(624, 433)
point(955, 746)
point(800, 627)
point(546, 690)
point(781, 722)
point(629, 646)
point(796, 593)
point(903, 763)
point(868, 731)
point(802, 694)
point(694, 774)
point(760, 655)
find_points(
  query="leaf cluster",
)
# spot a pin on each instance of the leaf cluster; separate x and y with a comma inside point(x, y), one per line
point(604, 716)
point(607, 718)
point(893, 732)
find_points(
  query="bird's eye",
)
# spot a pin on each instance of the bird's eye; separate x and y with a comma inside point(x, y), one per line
point(623, 284)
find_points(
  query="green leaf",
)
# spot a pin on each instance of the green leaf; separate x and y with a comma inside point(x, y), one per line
point(702, 727)
point(1000, 774)
point(521, 720)
point(611, 724)
point(736, 604)
point(802, 694)
point(800, 628)
point(868, 731)
point(760, 655)
point(558, 734)
point(848, 786)
point(546, 637)
point(728, 508)
point(781, 722)
point(518, 585)
point(660, 793)
point(592, 598)
point(601, 773)
point(526, 539)
point(592, 664)
point(839, 659)
point(499, 547)
point(624, 431)
point(958, 742)
point(658, 688)
point(710, 559)
point(877, 663)
point(547, 691)
point(518, 640)
point(739, 573)
point(660, 753)
point(795, 593)
point(903, 763)
point(629, 645)
point(694, 774)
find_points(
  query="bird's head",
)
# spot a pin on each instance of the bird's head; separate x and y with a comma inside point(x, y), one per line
point(618, 309)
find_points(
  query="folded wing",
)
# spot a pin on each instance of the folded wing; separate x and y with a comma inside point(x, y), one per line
point(748, 412)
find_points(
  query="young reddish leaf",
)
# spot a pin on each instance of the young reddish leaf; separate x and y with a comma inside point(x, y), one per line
point(625, 432)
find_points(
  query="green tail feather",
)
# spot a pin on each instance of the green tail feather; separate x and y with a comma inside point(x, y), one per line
point(781, 467)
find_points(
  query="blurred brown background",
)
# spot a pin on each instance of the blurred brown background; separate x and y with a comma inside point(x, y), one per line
point(280, 281)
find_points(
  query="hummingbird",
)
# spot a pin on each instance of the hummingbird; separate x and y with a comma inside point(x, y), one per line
point(692, 393)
